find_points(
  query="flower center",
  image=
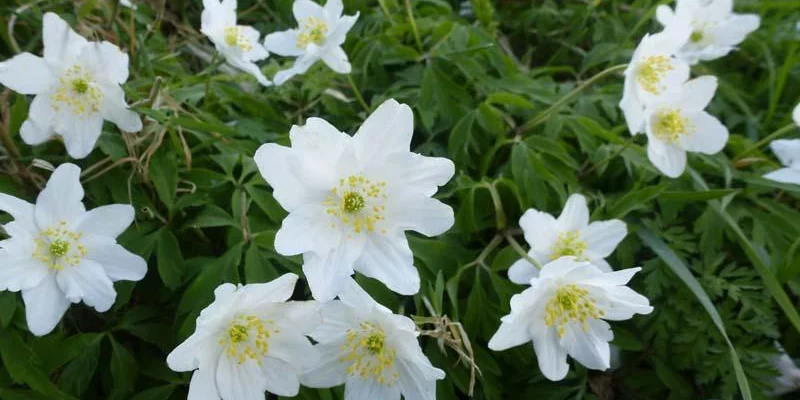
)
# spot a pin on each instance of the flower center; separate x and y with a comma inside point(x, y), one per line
point(357, 203)
point(247, 338)
point(696, 36)
point(367, 355)
point(570, 303)
point(568, 244)
point(670, 125)
point(57, 247)
point(651, 71)
point(314, 30)
point(77, 92)
point(234, 37)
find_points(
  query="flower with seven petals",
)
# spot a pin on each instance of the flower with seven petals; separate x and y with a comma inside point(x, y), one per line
point(320, 34)
point(58, 253)
point(76, 86)
point(373, 352)
point(788, 152)
point(249, 340)
point(351, 199)
point(564, 312)
point(237, 43)
point(569, 235)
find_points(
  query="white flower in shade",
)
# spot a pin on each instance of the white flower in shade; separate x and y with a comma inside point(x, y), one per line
point(373, 352)
point(320, 34)
point(127, 3)
point(58, 253)
point(796, 115)
point(654, 69)
point(351, 199)
point(677, 124)
point(564, 312)
point(249, 340)
point(716, 30)
point(239, 44)
point(77, 87)
point(788, 152)
point(569, 235)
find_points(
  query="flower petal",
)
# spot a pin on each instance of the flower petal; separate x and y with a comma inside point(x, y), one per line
point(327, 274)
point(575, 215)
point(521, 272)
point(540, 230)
point(736, 28)
point(203, 385)
point(787, 151)
point(277, 290)
point(45, 305)
point(785, 175)
point(356, 388)
point(88, 282)
point(709, 137)
point(20, 274)
point(114, 61)
point(624, 303)
point(110, 221)
point(664, 14)
point(602, 237)
point(283, 43)
point(22, 212)
point(61, 44)
point(796, 114)
point(632, 107)
point(418, 381)
point(118, 263)
point(354, 296)
point(512, 333)
point(246, 381)
point(330, 371)
point(339, 34)
point(186, 357)
point(697, 93)
point(80, 133)
point(417, 212)
point(61, 199)
point(38, 128)
point(116, 110)
point(307, 229)
point(336, 59)
point(305, 9)
point(280, 377)
point(283, 171)
point(669, 159)
point(387, 130)
point(26, 74)
point(388, 259)
point(301, 65)
point(415, 171)
point(589, 347)
point(552, 357)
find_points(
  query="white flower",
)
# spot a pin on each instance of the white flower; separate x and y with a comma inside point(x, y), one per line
point(127, 3)
point(249, 340)
point(796, 115)
point(373, 352)
point(320, 35)
point(677, 124)
point(563, 313)
point(653, 69)
point(77, 86)
point(788, 379)
point(569, 235)
point(239, 44)
point(788, 152)
point(351, 199)
point(716, 30)
point(58, 253)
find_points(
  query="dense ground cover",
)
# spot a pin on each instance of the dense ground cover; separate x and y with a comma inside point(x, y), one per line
point(523, 97)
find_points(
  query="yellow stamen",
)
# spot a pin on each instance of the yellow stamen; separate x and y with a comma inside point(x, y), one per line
point(670, 125)
point(367, 355)
point(314, 30)
point(570, 303)
point(247, 338)
point(234, 37)
point(58, 247)
point(77, 92)
point(357, 203)
point(652, 71)
point(568, 244)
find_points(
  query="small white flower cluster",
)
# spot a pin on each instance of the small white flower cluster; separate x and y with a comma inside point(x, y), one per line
point(320, 34)
point(660, 100)
point(564, 311)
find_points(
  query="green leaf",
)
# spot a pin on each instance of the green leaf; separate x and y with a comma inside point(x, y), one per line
point(123, 370)
point(170, 259)
point(696, 196)
point(164, 175)
point(24, 367)
point(634, 200)
point(156, 393)
point(679, 268)
point(213, 216)
point(200, 292)
point(76, 377)
point(8, 305)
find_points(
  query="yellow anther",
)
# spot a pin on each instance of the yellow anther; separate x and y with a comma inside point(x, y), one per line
point(670, 124)
point(357, 203)
point(247, 338)
point(314, 30)
point(570, 303)
point(367, 355)
point(353, 202)
point(568, 244)
point(234, 37)
point(57, 247)
point(80, 86)
point(652, 71)
point(77, 91)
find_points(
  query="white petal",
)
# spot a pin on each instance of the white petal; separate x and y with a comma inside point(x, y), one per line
point(561, 267)
point(281, 169)
point(417, 212)
point(80, 133)
point(244, 381)
point(664, 14)
point(20, 210)
point(217, 15)
point(329, 372)
point(110, 221)
point(521, 272)
point(709, 137)
point(336, 59)
point(540, 230)
point(575, 214)
point(44, 306)
point(697, 93)
point(20, 274)
point(552, 357)
point(116, 110)
point(60, 200)
point(589, 347)
point(736, 28)
point(203, 385)
point(785, 175)
point(283, 43)
point(186, 357)
point(423, 174)
point(119, 263)
point(293, 348)
point(275, 291)
point(307, 229)
point(113, 61)
point(387, 130)
point(61, 44)
point(339, 33)
point(388, 259)
point(250, 35)
point(669, 159)
point(279, 378)
point(624, 303)
point(299, 318)
point(512, 332)
point(796, 115)
point(632, 107)
point(248, 66)
point(88, 282)
point(38, 128)
point(417, 384)
point(602, 237)
point(26, 74)
point(333, 8)
point(354, 297)
point(305, 9)
point(787, 151)
point(328, 274)
point(301, 65)
point(356, 388)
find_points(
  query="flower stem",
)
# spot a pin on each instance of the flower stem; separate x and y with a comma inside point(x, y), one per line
point(609, 158)
point(774, 135)
point(212, 68)
point(513, 242)
point(358, 94)
point(500, 214)
point(414, 26)
point(542, 117)
point(386, 11)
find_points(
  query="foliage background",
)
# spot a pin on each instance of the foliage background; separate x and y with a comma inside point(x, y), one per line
point(476, 74)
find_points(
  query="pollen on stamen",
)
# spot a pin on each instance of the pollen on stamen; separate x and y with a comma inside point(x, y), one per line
point(670, 125)
point(368, 356)
point(652, 71)
point(247, 338)
point(234, 37)
point(568, 244)
point(57, 247)
point(571, 303)
point(356, 204)
point(314, 31)
point(77, 92)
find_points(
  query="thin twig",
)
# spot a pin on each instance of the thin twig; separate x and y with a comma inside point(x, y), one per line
point(518, 248)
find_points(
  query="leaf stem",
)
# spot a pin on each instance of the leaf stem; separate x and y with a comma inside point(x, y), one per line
point(521, 251)
point(772, 136)
point(414, 26)
point(610, 157)
point(357, 92)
